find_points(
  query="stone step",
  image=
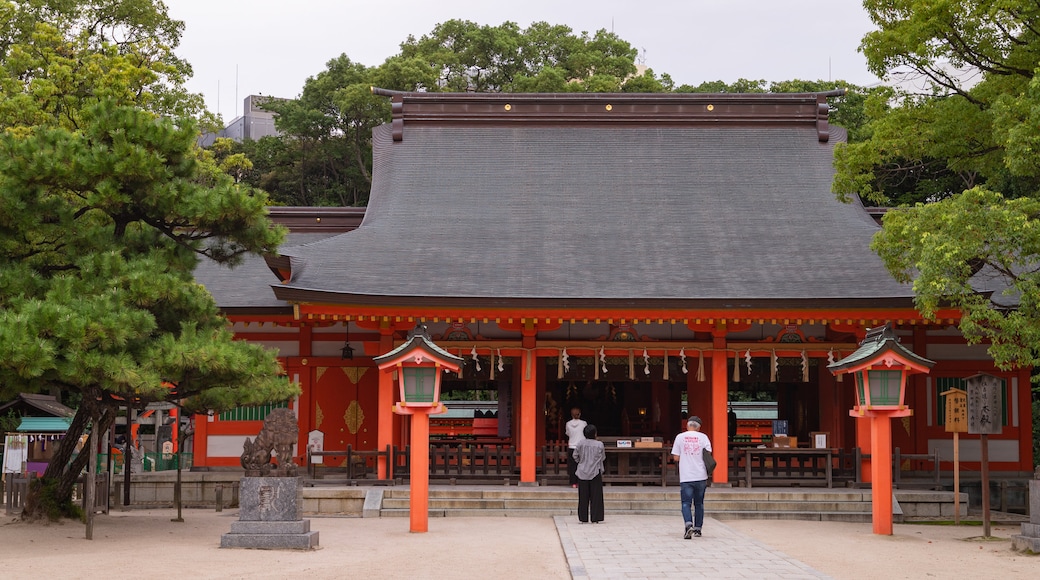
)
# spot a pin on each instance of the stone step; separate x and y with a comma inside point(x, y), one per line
point(572, 494)
point(805, 515)
point(633, 505)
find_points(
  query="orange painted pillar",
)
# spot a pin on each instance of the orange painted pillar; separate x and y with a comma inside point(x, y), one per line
point(864, 440)
point(719, 425)
point(881, 473)
point(419, 486)
point(175, 428)
point(528, 418)
point(385, 422)
point(199, 441)
point(385, 408)
point(304, 409)
point(301, 373)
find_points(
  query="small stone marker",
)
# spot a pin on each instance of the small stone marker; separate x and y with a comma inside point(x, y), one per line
point(1029, 539)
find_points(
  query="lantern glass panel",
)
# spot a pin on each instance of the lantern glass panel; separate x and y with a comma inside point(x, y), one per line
point(419, 384)
point(885, 387)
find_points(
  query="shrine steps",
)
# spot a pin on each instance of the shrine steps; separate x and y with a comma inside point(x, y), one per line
point(722, 503)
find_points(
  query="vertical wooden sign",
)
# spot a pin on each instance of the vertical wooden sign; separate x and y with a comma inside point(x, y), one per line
point(956, 423)
point(985, 418)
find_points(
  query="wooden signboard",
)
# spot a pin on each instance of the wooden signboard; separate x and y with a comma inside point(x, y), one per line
point(984, 407)
point(956, 411)
point(956, 423)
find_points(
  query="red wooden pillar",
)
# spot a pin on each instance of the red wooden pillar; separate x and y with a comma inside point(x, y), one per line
point(419, 483)
point(881, 473)
point(300, 372)
point(866, 445)
point(385, 408)
point(199, 442)
point(528, 417)
point(719, 395)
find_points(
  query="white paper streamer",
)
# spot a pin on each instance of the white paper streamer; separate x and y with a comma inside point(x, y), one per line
point(646, 363)
point(805, 367)
point(682, 357)
point(747, 360)
point(566, 361)
point(603, 359)
point(475, 358)
point(501, 363)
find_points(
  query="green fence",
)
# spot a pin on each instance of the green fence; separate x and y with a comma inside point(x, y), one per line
point(149, 462)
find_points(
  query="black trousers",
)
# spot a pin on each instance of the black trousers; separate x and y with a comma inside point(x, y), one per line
point(590, 499)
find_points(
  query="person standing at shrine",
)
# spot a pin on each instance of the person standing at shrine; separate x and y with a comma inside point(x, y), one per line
point(590, 454)
point(575, 430)
point(688, 451)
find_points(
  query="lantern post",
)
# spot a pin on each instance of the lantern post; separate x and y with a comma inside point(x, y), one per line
point(880, 367)
point(419, 364)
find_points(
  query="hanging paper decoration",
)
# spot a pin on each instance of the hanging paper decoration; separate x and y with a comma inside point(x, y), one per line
point(772, 366)
point(700, 366)
point(475, 358)
point(747, 360)
point(646, 363)
point(805, 367)
point(736, 367)
point(830, 357)
point(665, 377)
point(631, 366)
point(501, 363)
point(566, 361)
point(603, 359)
point(682, 357)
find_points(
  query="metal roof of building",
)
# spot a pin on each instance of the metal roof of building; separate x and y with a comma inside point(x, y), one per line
point(566, 204)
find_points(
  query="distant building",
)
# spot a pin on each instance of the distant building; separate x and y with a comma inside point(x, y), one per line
point(254, 123)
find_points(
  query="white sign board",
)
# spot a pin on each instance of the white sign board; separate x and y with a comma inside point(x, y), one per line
point(316, 442)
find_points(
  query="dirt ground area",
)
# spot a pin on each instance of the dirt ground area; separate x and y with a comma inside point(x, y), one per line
point(145, 543)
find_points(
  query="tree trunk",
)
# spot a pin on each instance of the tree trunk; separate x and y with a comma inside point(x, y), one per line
point(51, 496)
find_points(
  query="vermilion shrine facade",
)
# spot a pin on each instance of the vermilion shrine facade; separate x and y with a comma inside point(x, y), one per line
point(618, 252)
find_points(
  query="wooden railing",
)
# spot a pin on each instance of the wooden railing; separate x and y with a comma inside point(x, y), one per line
point(16, 489)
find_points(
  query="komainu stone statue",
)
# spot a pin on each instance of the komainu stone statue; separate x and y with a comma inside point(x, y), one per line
point(276, 438)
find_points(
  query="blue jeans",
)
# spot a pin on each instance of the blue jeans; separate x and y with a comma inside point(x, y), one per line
point(693, 492)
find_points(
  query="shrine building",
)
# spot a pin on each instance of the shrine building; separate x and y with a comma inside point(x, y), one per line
point(639, 256)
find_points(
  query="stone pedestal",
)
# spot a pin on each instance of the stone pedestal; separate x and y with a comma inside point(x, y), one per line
point(1030, 537)
point(269, 516)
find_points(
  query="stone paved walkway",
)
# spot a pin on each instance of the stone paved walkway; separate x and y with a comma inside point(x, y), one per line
point(652, 547)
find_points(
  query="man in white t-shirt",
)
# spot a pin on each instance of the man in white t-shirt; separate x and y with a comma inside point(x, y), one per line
point(688, 451)
point(575, 434)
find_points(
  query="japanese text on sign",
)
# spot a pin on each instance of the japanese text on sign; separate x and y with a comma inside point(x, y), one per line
point(984, 406)
point(956, 411)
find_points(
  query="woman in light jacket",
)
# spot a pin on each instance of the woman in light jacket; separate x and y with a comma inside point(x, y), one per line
point(589, 454)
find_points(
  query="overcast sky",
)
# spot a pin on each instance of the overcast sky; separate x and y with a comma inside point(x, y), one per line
point(270, 47)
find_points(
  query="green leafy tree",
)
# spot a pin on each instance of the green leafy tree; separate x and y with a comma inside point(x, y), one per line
point(106, 207)
point(325, 155)
point(958, 148)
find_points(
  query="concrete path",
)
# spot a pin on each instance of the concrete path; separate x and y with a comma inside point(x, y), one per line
point(652, 547)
